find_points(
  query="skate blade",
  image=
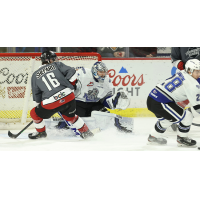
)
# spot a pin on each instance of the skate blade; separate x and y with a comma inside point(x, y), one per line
point(183, 145)
point(155, 144)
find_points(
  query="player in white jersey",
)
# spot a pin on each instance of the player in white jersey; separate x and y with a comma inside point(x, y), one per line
point(94, 93)
point(162, 101)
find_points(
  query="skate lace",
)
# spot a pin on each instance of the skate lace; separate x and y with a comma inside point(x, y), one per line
point(35, 133)
point(160, 139)
point(187, 139)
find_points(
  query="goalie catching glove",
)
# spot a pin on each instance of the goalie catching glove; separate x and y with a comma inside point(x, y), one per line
point(119, 101)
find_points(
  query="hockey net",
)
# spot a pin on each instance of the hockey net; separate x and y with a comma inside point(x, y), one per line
point(15, 83)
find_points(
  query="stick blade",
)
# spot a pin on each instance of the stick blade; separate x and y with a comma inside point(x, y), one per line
point(11, 135)
point(194, 124)
point(96, 130)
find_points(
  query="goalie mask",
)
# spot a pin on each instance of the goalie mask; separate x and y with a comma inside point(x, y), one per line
point(191, 65)
point(47, 55)
point(99, 67)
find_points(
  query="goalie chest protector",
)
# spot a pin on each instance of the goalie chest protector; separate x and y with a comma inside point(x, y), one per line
point(90, 89)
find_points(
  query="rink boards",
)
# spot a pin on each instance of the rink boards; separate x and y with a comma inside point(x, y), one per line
point(137, 76)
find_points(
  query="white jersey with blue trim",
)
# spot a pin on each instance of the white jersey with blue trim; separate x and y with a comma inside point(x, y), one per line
point(181, 86)
point(89, 89)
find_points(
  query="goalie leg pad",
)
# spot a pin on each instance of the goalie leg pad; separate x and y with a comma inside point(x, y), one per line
point(103, 120)
point(122, 127)
point(107, 120)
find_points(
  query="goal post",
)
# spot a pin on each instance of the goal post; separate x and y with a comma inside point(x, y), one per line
point(16, 70)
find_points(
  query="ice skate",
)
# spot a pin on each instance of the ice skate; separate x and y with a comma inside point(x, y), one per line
point(185, 142)
point(156, 141)
point(87, 134)
point(37, 135)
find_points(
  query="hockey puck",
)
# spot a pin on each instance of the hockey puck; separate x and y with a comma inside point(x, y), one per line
point(198, 148)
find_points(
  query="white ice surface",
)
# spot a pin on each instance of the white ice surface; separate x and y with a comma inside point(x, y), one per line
point(107, 140)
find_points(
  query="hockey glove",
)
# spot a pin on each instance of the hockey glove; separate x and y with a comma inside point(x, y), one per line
point(181, 65)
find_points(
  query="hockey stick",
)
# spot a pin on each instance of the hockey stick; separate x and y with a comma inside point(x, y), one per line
point(96, 130)
point(11, 135)
point(194, 124)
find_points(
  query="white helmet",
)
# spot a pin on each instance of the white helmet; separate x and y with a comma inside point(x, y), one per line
point(191, 65)
point(99, 66)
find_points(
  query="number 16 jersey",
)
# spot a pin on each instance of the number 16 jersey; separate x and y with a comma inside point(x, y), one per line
point(52, 82)
point(181, 86)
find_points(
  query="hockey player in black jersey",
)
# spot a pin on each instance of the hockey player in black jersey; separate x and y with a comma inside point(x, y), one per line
point(162, 101)
point(53, 90)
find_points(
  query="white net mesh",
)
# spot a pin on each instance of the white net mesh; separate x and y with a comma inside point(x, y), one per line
point(14, 74)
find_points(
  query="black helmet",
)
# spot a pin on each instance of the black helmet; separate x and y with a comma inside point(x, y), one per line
point(47, 55)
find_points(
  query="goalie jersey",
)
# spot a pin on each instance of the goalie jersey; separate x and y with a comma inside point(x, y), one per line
point(179, 87)
point(89, 89)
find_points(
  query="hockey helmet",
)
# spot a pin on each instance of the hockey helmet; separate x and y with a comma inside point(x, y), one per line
point(47, 55)
point(99, 66)
point(191, 65)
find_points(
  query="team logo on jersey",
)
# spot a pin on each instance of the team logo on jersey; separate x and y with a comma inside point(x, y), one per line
point(90, 84)
point(193, 52)
point(61, 95)
point(92, 95)
point(154, 91)
point(62, 100)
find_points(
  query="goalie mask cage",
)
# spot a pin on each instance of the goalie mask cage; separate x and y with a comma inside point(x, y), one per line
point(16, 70)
